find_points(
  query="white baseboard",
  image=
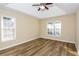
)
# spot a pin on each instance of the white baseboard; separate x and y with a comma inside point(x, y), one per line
point(57, 39)
point(17, 44)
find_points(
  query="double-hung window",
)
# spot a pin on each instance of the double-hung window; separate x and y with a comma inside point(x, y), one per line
point(8, 28)
point(54, 29)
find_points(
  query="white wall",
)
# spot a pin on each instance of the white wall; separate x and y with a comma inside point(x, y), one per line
point(67, 28)
point(27, 28)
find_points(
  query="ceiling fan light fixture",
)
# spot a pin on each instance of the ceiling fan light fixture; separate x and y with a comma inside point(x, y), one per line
point(42, 7)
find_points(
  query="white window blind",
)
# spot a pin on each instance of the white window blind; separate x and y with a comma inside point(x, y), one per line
point(8, 28)
point(54, 29)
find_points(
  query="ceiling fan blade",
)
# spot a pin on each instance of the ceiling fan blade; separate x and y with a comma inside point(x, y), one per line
point(46, 7)
point(48, 3)
point(36, 5)
point(39, 9)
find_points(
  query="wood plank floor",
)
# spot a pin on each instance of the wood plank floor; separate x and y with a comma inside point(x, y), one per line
point(41, 47)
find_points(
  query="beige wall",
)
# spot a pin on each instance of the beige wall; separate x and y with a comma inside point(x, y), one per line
point(77, 31)
point(68, 28)
point(27, 28)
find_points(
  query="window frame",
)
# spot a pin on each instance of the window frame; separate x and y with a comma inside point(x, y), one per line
point(54, 22)
point(2, 29)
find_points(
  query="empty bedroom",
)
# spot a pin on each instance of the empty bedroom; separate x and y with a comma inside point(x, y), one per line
point(39, 29)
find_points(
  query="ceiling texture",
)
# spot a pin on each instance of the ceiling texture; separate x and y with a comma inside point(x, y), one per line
point(57, 9)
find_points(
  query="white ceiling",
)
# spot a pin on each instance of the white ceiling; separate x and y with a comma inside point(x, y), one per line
point(57, 9)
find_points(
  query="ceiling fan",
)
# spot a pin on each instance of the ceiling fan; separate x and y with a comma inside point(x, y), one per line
point(42, 6)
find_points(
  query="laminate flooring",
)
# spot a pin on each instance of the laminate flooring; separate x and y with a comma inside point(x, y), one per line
point(41, 47)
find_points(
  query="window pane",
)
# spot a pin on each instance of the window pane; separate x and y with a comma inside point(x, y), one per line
point(58, 25)
point(49, 26)
point(57, 29)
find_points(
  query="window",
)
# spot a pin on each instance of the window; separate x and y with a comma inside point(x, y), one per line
point(54, 29)
point(8, 28)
